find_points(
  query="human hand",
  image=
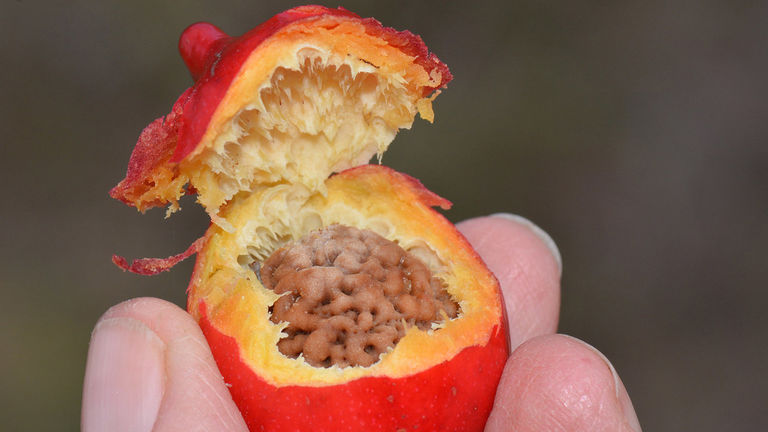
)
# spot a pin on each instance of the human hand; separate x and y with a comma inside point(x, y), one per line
point(150, 369)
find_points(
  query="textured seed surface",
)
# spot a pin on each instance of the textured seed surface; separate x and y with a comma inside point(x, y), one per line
point(348, 295)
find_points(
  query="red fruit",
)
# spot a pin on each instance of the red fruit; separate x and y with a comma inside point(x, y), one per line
point(271, 116)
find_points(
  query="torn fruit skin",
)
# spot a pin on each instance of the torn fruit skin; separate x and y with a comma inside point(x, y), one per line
point(439, 379)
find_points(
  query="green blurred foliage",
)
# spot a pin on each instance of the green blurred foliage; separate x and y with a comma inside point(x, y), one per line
point(633, 132)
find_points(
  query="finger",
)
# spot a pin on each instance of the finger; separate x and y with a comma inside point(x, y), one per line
point(150, 369)
point(527, 263)
point(558, 383)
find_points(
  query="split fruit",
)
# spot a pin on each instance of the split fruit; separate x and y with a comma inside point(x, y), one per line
point(331, 293)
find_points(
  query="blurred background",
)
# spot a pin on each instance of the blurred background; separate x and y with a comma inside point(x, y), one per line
point(633, 132)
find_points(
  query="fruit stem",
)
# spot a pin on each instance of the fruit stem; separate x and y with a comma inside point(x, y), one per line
point(198, 44)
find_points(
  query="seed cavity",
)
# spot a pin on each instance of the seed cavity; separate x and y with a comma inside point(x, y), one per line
point(349, 295)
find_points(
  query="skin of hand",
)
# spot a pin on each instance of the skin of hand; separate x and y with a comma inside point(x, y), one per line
point(149, 367)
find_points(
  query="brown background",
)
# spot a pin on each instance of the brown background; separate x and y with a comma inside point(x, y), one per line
point(635, 133)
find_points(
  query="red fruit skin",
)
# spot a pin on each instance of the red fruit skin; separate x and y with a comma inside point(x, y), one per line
point(153, 266)
point(196, 45)
point(456, 395)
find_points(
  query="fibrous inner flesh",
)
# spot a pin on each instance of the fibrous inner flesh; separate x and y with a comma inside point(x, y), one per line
point(349, 295)
point(316, 115)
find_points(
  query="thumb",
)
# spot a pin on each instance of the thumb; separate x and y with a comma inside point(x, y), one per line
point(559, 383)
point(150, 369)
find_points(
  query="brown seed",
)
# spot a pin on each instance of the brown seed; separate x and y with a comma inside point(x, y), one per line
point(346, 293)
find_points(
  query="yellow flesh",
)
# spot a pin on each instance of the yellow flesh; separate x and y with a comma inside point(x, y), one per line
point(318, 113)
point(238, 303)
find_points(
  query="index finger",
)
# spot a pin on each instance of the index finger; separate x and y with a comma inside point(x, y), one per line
point(526, 262)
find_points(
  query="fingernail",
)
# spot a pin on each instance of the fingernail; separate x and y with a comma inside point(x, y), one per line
point(627, 410)
point(539, 233)
point(124, 378)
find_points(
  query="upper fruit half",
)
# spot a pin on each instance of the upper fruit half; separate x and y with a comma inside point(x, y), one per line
point(310, 92)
